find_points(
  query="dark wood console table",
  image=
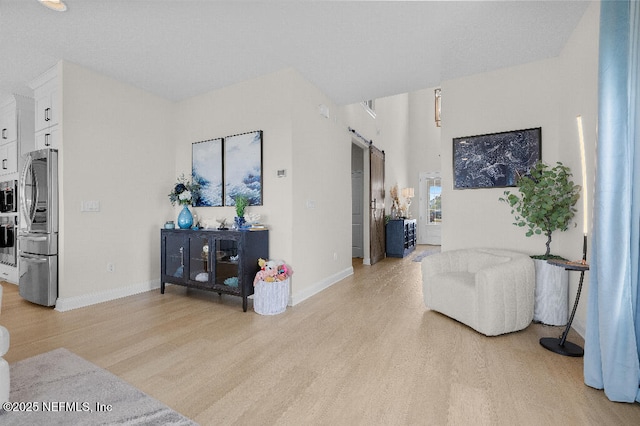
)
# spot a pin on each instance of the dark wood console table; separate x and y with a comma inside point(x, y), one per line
point(400, 237)
point(222, 261)
point(560, 345)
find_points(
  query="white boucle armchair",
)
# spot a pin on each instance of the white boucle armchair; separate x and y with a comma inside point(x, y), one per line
point(4, 366)
point(491, 291)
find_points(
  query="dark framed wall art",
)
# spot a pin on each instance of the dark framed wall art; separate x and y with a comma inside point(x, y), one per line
point(495, 160)
point(243, 167)
point(206, 169)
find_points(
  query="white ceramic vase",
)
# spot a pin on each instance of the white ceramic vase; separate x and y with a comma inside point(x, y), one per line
point(552, 294)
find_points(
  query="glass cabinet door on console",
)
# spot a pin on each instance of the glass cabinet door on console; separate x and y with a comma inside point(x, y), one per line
point(200, 267)
point(173, 260)
point(221, 261)
point(227, 269)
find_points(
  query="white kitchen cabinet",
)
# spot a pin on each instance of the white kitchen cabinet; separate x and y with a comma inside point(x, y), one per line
point(16, 123)
point(8, 125)
point(48, 109)
point(9, 158)
point(48, 138)
point(47, 98)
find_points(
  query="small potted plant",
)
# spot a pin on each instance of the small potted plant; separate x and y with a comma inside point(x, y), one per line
point(241, 202)
point(546, 203)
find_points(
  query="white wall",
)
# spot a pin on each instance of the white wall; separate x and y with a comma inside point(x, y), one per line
point(548, 94)
point(389, 131)
point(424, 141)
point(321, 192)
point(509, 99)
point(125, 148)
point(580, 84)
point(259, 104)
point(306, 210)
point(393, 121)
point(117, 148)
point(405, 129)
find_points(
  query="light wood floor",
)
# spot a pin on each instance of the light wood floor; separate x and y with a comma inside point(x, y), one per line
point(363, 352)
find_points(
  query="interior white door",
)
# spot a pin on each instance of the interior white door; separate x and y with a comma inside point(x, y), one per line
point(357, 217)
point(430, 219)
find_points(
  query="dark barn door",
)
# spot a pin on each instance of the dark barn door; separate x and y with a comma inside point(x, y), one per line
point(376, 205)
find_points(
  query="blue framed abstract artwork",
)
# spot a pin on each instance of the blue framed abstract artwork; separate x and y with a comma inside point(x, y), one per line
point(206, 169)
point(495, 160)
point(243, 167)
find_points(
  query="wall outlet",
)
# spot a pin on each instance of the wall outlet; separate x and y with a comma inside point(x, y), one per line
point(335, 256)
point(111, 267)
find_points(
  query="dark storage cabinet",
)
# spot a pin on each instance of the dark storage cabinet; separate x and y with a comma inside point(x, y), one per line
point(401, 237)
point(221, 261)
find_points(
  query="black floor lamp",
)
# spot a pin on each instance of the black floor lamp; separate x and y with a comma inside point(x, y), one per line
point(560, 345)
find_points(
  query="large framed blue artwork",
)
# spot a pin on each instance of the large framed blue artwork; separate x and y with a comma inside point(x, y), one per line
point(243, 167)
point(495, 160)
point(206, 169)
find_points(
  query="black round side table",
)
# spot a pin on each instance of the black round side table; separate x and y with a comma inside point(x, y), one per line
point(561, 345)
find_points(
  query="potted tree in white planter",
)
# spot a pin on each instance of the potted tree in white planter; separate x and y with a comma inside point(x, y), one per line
point(546, 204)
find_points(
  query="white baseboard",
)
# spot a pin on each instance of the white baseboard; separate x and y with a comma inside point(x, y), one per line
point(319, 286)
point(579, 327)
point(69, 303)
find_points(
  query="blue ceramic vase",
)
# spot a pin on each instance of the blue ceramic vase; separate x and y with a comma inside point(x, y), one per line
point(240, 222)
point(185, 218)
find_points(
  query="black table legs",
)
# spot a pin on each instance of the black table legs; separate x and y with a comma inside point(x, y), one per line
point(560, 345)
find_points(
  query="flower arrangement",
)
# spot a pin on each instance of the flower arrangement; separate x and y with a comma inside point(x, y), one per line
point(395, 202)
point(184, 191)
point(272, 271)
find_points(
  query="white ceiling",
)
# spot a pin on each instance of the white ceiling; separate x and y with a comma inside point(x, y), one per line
point(350, 50)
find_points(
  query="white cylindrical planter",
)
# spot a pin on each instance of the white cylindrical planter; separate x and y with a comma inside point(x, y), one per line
point(552, 294)
point(271, 298)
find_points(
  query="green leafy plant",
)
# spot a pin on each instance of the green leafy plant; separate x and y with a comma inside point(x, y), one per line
point(241, 203)
point(546, 201)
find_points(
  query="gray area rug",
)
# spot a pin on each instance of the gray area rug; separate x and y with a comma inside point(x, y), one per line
point(61, 388)
point(428, 252)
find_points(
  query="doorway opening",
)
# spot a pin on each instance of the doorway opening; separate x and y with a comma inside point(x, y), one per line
point(367, 199)
point(357, 202)
point(366, 232)
point(430, 218)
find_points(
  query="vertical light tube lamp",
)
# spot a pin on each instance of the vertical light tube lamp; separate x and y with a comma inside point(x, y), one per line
point(585, 203)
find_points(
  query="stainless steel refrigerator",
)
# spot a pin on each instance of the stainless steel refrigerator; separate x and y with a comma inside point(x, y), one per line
point(38, 227)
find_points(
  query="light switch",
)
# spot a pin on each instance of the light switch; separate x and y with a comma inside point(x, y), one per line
point(90, 206)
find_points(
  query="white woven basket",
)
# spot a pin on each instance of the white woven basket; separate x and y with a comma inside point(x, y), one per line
point(271, 298)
